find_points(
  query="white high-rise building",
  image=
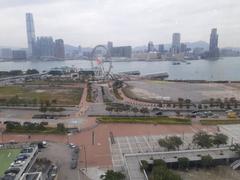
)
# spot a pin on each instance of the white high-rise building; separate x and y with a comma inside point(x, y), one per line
point(30, 33)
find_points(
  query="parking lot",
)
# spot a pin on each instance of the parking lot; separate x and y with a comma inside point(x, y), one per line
point(60, 155)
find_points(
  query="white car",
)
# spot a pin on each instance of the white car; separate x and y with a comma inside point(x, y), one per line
point(17, 163)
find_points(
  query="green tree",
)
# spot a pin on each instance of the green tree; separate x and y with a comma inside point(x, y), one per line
point(171, 143)
point(144, 110)
point(61, 128)
point(109, 109)
point(236, 148)
point(163, 173)
point(43, 109)
point(219, 139)
point(183, 163)
point(203, 139)
point(135, 110)
point(112, 175)
point(206, 161)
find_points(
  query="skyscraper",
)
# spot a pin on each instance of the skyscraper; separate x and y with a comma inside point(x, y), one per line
point(176, 43)
point(110, 45)
point(59, 50)
point(30, 33)
point(45, 47)
point(161, 48)
point(150, 46)
point(213, 47)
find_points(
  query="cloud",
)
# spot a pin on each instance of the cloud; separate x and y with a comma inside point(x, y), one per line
point(90, 22)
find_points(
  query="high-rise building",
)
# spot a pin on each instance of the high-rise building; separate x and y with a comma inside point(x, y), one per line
point(150, 46)
point(213, 46)
point(44, 47)
point(161, 48)
point(30, 33)
point(122, 51)
point(176, 43)
point(110, 46)
point(183, 47)
point(59, 50)
point(6, 53)
point(19, 55)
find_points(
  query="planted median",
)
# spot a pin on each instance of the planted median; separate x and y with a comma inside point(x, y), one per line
point(144, 120)
point(219, 122)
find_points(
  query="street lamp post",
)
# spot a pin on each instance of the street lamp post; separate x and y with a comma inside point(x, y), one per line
point(85, 155)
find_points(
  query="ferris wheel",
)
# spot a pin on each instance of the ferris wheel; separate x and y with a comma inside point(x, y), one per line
point(101, 62)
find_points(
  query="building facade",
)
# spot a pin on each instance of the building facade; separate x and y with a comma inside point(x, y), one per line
point(19, 55)
point(176, 43)
point(213, 45)
point(6, 53)
point(122, 51)
point(161, 48)
point(110, 46)
point(150, 47)
point(59, 50)
point(44, 47)
point(30, 33)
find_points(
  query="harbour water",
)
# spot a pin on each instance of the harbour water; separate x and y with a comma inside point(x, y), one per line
point(223, 69)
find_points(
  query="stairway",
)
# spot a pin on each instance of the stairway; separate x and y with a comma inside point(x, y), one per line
point(235, 164)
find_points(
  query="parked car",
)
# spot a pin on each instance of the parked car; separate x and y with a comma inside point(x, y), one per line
point(73, 164)
point(159, 113)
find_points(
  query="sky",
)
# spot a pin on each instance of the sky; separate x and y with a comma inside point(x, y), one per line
point(125, 22)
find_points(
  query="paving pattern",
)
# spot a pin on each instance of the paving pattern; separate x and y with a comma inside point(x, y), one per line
point(233, 132)
point(141, 144)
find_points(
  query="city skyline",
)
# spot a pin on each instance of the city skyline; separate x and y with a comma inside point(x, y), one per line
point(95, 22)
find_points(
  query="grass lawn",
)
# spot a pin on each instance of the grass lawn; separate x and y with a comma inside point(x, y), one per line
point(144, 120)
point(7, 156)
point(28, 94)
point(216, 122)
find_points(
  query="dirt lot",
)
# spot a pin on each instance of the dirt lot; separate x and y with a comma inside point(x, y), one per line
point(175, 90)
point(59, 95)
point(218, 173)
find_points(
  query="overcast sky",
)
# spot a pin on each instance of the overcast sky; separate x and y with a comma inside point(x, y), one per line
point(125, 22)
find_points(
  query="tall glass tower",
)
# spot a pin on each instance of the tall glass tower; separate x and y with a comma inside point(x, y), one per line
point(213, 45)
point(30, 33)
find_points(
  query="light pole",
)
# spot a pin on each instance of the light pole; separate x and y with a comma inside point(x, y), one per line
point(1, 130)
point(85, 155)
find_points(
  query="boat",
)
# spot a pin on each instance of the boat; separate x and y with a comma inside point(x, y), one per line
point(176, 63)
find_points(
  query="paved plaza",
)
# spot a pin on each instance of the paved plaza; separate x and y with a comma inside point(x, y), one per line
point(141, 144)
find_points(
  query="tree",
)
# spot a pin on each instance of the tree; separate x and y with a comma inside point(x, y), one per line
point(171, 143)
point(61, 128)
point(32, 71)
point(109, 109)
point(161, 172)
point(144, 165)
point(183, 163)
point(236, 148)
point(135, 110)
point(180, 102)
point(199, 106)
point(43, 109)
point(206, 161)
point(112, 175)
point(203, 139)
point(219, 139)
point(144, 110)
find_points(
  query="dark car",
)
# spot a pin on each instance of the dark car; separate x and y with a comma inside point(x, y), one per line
point(159, 113)
point(73, 164)
point(12, 170)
